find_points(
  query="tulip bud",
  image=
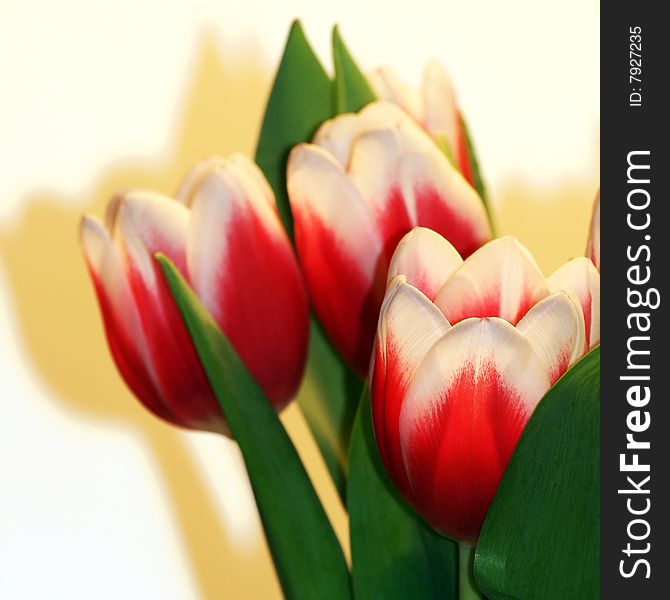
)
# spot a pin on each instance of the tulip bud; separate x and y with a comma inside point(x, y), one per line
point(363, 183)
point(434, 107)
point(464, 352)
point(593, 247)
point(225, 237)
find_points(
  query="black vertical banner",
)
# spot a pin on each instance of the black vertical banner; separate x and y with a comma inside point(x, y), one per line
point(635, 368)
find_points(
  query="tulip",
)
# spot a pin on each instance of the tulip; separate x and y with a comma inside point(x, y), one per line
point(464, 352)
point(364, 182)
point(434, 107)
point(224, 235)
point(581, 277)
point(593, 247)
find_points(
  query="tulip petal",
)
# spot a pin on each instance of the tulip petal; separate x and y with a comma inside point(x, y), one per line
point(581, 277)
point(337, 135)
point(253, 181)
point(554, 327)
point(388, 86)
point(216, 202)
point(319, 187)
point(374, 169)
point(440, 109)
point(194, 178)
point(409, 324)
point(444, 200)
point(149, 223)
point(339, 250)
point(228, 192)
point(243, 269)
point(409, 182)
point(434, 108)
point(464, 411)
point(426, 259)
point(501, 279)
point(246, 172)
point(593, 247)
point(120, 316)
point(442, 115)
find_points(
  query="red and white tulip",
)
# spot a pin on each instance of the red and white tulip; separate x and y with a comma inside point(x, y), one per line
point(224, 235)
point(433, 106)
point(593, 247)
point(464, 352)
point(365, 181)
point(581, 277)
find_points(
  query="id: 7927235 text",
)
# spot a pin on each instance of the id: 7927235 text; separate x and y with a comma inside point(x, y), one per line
point(635, 66)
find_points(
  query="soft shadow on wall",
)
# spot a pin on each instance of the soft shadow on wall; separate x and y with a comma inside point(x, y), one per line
point(552, 222)
point(55, 305)
point(54, 302)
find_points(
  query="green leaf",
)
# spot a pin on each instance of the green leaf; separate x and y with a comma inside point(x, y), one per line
point(395, 555)
point(352, 90)
point(306, 552)
point(444, 145)
point(541, 537)
point(480, 186)
point(328, 400)
point(300, 100)
point(331, 390)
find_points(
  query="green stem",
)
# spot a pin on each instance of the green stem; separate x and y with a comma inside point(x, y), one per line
point(467, 590)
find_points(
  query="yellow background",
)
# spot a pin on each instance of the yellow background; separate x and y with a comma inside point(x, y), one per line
point(99, 499)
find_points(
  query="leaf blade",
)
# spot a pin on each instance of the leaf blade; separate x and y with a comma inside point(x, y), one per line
point(541, 536)
point(328, 401)
point(300, 100)
point(307, 555)
point(352, 90)
point(479, 183)
point(330, 390)
point(395, 555)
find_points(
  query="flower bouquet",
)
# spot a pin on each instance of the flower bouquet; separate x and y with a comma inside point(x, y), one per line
point(454, 389)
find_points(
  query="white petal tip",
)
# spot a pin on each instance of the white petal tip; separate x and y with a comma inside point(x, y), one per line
point(93, 236)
